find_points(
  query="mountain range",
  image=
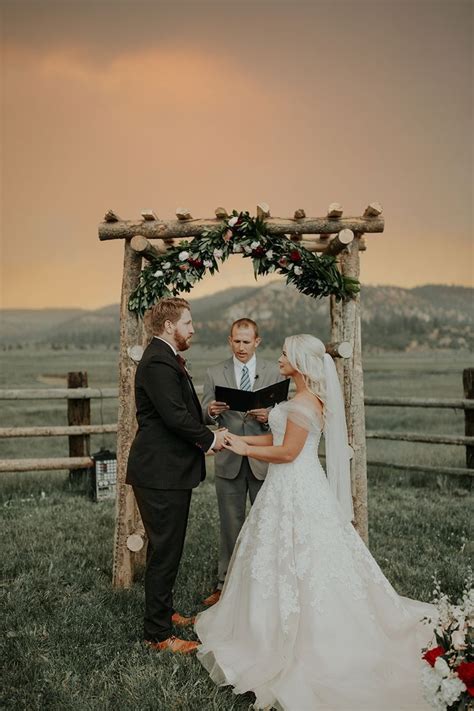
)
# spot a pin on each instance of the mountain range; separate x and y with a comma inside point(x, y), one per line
point(393, 318)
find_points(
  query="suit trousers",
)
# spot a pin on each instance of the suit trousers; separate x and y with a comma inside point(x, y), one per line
point(164, 514)
point(232, 503)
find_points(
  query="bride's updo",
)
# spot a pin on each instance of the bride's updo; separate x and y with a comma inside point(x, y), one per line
point(306, 353)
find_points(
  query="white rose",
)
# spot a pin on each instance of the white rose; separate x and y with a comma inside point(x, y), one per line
point(247, 249)
point(158, 273)
point(182, 256)
point(207, 263)
point(269, 254)
point(442, 667)
point(217, 253)
point(232, 221)
point(166, 265)
point(298, 270)
point(237, 248)
point(254, 245)
point(458, 639)
point(451, 689)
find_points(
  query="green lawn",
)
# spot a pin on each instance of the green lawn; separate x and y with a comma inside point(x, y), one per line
point(72, 643)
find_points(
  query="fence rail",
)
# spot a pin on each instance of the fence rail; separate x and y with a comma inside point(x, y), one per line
point(67, 430)
point(79, 429)
point(58, 393)
point(31, 465)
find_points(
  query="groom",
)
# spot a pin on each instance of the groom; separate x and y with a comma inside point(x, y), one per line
point(166, 462)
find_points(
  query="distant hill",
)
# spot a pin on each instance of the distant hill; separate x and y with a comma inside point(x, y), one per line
point(426, 317)
point(22, 325)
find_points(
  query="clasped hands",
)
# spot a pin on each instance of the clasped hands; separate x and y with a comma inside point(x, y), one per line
point(216, 408)
point(227, 440)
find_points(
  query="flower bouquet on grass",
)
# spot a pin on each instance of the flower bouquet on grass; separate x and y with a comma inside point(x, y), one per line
point(448, 677)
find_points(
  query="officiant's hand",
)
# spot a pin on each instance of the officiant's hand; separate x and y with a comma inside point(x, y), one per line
point(236, 444)
point(216, 408)
point(260, 414)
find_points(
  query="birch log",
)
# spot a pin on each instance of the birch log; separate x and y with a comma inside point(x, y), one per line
point(126, 509)
point(339, 243)
point(150, 251)
point(181, 228)
point(345, 326)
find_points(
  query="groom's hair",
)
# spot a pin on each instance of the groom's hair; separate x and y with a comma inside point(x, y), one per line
point(244, 323)
point(165, 310)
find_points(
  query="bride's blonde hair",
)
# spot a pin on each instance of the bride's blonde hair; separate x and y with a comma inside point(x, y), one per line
point(306, 354)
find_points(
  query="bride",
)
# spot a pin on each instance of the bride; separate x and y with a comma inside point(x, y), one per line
point(307, 621)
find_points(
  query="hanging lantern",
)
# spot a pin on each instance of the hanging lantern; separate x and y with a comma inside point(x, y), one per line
point(104, 474)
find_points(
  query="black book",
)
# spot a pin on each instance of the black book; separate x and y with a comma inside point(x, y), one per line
point(244, 400)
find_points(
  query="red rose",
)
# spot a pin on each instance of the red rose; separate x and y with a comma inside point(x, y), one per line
point(432, 655)
point(295, 256)
point(283, 261)
point(465, 672)
point(258, 252)
point(196, 263)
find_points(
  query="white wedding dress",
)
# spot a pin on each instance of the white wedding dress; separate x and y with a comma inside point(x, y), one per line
point(307, 620)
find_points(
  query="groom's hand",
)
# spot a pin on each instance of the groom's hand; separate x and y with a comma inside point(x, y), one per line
point(220, 437)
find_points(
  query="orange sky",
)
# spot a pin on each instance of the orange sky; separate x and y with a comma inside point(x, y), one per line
point(130, 105)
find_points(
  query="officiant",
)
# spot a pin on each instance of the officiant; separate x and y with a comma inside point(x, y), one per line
point(237, 477)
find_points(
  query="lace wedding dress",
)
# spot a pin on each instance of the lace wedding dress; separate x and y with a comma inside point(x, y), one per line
point(307, 620)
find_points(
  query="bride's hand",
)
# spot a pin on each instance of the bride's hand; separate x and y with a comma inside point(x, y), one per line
point(236, 444)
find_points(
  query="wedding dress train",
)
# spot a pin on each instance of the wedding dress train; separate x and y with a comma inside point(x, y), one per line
point(307, 620)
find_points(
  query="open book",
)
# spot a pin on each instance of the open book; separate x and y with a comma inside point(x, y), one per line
point(244, 400)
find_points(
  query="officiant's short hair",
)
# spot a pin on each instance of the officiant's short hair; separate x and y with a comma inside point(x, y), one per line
point(165, 310)
point(244, 323)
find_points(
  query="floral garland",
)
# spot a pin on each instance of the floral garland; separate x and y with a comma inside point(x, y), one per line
point(187, 263)
point(448, 677)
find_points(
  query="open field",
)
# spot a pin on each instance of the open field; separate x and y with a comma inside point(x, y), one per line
point(416, 375)
point(73, 644)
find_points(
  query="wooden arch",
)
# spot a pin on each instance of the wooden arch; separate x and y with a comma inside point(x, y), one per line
point(332, 234)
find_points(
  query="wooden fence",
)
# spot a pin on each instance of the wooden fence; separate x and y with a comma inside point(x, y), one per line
point(79, 428)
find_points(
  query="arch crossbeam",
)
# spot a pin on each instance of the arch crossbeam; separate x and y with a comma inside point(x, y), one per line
point(168, 229)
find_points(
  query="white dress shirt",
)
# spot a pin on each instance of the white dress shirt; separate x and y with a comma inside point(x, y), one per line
point(252, 368)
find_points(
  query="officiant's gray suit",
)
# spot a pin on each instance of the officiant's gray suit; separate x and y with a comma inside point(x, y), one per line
point(235, 475)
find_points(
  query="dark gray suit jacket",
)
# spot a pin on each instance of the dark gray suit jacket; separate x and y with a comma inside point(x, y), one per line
point(168, 449)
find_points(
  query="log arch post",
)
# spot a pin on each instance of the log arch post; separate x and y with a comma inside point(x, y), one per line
point(346, 326)
point(127, 516)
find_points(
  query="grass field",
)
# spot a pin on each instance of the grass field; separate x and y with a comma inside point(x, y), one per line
point(72, 643)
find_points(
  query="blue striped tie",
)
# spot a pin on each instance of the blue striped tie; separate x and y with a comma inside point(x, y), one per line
point(245, 379)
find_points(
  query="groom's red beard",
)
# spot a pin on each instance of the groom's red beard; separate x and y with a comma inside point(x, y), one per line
point(181, 342)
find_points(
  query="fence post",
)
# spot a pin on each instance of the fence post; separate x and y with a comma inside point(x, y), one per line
point(78, 413)
point(468, 383)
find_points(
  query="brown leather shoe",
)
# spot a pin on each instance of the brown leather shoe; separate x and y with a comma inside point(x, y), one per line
point(213, 598)
point(173, 644)
point(180, 621)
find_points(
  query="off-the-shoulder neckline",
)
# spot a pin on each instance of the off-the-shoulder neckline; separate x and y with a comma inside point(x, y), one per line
point(287, 402)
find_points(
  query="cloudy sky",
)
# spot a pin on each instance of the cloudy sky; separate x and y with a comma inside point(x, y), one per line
point(134, 104)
